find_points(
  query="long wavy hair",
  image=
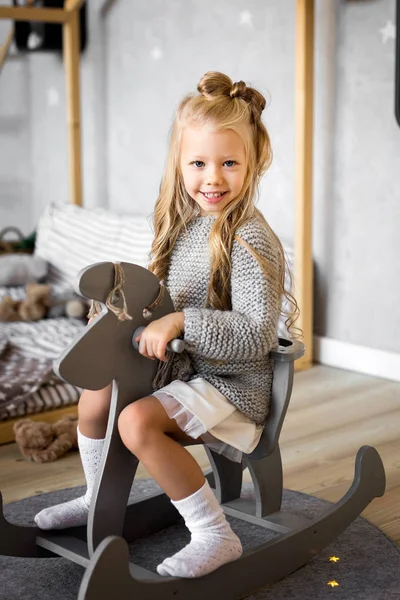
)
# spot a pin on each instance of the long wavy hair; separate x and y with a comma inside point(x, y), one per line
point(220, 104)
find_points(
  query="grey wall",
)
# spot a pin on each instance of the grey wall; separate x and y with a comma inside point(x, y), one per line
point(356, 184)
point(15, 141)
point(143, 56)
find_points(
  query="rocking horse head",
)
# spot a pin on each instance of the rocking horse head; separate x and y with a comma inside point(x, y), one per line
point(130, 298)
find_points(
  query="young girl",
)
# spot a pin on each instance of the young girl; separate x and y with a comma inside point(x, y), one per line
point(224, 269)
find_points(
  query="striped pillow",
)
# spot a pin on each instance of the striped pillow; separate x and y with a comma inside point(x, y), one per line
point(70, 238)
point(47, 397)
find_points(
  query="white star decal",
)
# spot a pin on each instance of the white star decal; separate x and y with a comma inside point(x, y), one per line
point(53, 97)
point(388, 32)
point(157, 53)
point(246, 18)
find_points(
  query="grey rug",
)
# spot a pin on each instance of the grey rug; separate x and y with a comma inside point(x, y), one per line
point(368, 569)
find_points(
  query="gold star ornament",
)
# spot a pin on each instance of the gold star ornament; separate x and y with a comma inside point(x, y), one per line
point(333, 583)
point(334, 559)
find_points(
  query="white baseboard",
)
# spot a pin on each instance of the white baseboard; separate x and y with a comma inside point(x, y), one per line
point(360, 359)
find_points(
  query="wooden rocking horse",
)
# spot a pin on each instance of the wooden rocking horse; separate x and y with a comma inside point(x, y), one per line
point(104, 353)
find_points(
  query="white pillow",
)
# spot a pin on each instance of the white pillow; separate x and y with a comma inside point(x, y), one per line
point(71, 238)
point(20, 269)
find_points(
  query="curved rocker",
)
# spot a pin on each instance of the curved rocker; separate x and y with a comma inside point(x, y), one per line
point(16, 540)
point(110, 571)
point(102, 545)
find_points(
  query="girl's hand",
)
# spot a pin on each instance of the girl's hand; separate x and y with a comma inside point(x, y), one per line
point(154, 338)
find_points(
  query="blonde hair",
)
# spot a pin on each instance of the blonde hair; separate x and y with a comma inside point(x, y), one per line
point(223, 105)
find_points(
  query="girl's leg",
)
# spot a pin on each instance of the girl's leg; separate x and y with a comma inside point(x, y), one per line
point(154, 438)
point(93, 412)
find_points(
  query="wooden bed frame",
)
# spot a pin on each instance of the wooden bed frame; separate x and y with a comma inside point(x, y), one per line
point(304, 92)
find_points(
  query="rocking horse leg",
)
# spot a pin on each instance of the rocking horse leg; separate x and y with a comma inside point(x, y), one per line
point(227, 476)
point(267, 478)
point(114, 479)
point(110, 497)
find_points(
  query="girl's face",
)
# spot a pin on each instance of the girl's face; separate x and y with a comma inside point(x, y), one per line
point(213, 166)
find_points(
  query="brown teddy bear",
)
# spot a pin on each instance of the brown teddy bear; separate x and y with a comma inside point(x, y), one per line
point(38, 304)
point(8, 309)
point(45, 442)
point(34, 307)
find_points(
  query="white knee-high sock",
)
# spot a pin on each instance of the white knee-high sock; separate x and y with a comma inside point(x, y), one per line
point(213, 543)
point(75, 512)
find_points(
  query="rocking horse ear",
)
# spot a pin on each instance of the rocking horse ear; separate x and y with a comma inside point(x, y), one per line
point(96, 281)
point(87, 362)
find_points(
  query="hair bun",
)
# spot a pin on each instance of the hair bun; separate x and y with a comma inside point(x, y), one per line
point(214, 84)
point(238, 90)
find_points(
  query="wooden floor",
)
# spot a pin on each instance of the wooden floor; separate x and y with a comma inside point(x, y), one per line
point(332, 414)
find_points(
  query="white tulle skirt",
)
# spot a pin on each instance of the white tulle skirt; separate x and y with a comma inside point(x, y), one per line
point(200, 410)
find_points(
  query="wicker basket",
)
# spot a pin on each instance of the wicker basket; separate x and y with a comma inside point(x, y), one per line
point(18, 244)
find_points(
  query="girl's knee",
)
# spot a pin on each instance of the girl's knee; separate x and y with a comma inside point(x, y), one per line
point(136, 423)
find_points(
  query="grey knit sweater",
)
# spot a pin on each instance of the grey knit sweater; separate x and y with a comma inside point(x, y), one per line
point(229, 349)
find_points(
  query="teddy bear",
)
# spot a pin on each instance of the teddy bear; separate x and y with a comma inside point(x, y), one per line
point(45, 442)
point(8, 309)
point(39, 304)
point(34, 307)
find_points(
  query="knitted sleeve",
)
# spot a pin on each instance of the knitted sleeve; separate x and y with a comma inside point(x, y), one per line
point(249, 330)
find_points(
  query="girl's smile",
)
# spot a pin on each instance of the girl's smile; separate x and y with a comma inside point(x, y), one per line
point(213, 197)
